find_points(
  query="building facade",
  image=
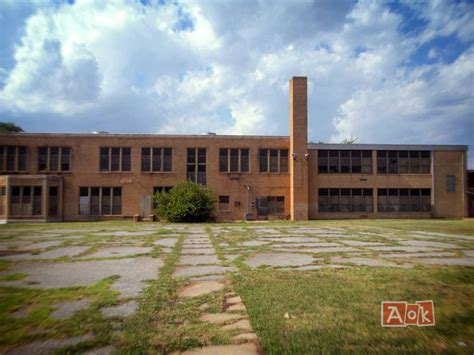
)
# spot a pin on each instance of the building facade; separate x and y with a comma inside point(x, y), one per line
point(77, 177)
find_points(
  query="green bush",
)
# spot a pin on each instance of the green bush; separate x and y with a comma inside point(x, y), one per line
point(186, 202)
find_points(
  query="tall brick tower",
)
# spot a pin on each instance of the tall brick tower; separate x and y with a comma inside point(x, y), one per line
point(299, 149)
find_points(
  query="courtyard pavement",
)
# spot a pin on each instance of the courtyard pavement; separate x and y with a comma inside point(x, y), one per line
point(51, 257)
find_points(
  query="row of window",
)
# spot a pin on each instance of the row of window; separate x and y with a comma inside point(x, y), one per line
point(360, 161)
point(231, 160)
point(27, 201)
point(361, 200)
point(98, 201)
point(345, 161)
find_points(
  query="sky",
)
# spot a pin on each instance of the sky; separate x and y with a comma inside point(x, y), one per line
point(378, 71)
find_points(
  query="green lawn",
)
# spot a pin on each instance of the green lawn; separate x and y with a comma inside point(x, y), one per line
point(339, 310)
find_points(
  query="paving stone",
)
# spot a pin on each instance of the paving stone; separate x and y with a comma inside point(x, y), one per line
point(42, 245)
point(67, 309)
point(198, 259)
point(48, 346)
point(405, 248)
point(167, 242)
point(424, 243)
point(185, 271)
point(306, 245)
point(105, 350)
point(206, 251)
point(469, 253)
point(218, 318)
point(366, 262)
point(208, 278)
point(231, 257)
point(233, 300)
point(246, 336)
point(238, 307)
point(287, 239)
point(125, 233)
point(447, 261)
point(279, 259)
point(321, 250)
point(50, 254)
point(118, 251)
point(132, 272)
point(455, 236)
point(200, 288)
point(358, 243)
point(239, 349)
point(414, 255)
point(243, 324)
point(253, 243)
point(320, 267)
point(123, 310)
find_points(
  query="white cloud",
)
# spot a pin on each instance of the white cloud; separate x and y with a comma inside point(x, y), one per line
point(198, 66)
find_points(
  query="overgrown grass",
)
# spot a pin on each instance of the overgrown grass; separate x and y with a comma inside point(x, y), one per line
point(339, 310)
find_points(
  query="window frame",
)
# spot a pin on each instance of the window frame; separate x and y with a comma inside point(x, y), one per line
point(122, 160)
point(267, 158)
point(227, 169)
point(112, 205)
point(164, 159)
point(19, 159)
point(60, 157)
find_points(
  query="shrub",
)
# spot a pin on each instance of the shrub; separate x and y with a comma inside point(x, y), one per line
point(186, 202)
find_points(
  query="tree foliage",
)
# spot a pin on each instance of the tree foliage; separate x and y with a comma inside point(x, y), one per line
point(186, 202)
point(10, 127)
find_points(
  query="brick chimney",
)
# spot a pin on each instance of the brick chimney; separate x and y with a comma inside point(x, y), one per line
point(298, 149)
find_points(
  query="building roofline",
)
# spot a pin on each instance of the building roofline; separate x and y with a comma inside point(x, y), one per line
point(387, 146)
point(140, 135)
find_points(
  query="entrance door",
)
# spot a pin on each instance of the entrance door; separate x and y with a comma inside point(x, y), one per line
point(146, 206)
point(262, 207)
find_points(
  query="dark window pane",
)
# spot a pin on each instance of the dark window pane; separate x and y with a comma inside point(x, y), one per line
point(65, 158)
point(191, 156)
point(22, 158)
point(273, 160)
point(115, 159)
point(42, 158)
point(126, 159)
point(11, 157)
point(117, 200)
point(334, 161)
point(167, 159)
point(53, 158)
point(234, 160)
point(284, 160)
point(104, 159)
point(244, 161)
point(322, 153)
point(263, 160)
point(202, 156)
point(146, 163)
point(106, 202)
point(223, 160)
point(156, 159)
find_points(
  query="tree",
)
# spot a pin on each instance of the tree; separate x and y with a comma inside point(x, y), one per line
point(10, 127)
point(350, 140)
point(186, 202)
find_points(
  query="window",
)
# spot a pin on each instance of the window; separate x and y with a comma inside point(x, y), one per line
point(404, 200)
point(273, 160)
point(345, 200)
point(345, 161)
point(54, 158)
point(115, 159)
point(403, 162)
point(450, 183)
point(13, 158)
point(224, 203)
point(161, 189)
point(233, 160)
point(100, 201)
point(2, 199)
point(25, 201)
point(156, 159)
point(196, 165)
point(276, 205)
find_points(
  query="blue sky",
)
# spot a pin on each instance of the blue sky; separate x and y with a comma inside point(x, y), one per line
point(382, 71)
